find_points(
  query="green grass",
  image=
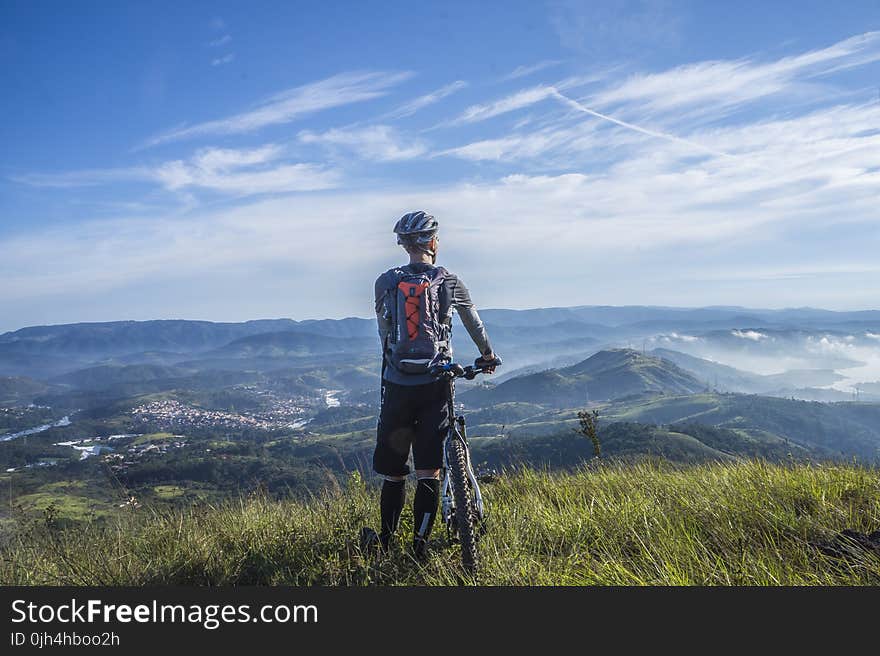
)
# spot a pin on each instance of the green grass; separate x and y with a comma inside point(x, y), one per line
point(66, 506)
point(169, 491)
point(647, 524)
point(152, 437)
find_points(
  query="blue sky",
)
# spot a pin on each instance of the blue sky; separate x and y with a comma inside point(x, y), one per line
point(229, 161)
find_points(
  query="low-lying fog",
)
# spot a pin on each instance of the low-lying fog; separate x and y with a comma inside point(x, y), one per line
point(855, 357)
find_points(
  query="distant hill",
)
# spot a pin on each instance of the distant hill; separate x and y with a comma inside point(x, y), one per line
point(19, 390)
point(292, 344)
point(104, 376)
point(800, 383)
point(606, 375)
point(618, 316)
point(118, 338)
point(527, 339)
point(715, 374)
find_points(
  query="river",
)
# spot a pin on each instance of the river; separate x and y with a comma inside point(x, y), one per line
point(64, 421)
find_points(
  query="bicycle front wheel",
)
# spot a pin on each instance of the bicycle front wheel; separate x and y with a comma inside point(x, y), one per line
point(465, 513)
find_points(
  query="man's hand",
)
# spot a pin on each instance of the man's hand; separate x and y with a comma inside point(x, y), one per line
point(486, 358)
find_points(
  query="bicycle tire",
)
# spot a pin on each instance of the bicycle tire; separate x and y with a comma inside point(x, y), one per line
point(464, 506)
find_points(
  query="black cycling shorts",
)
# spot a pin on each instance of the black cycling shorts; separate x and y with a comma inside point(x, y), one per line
point(412, 416)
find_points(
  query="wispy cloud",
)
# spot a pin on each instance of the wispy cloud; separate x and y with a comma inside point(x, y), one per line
point(523, 71)
point(411, 107)
point(527, 145)
point(82, 178)
point(292, 104)
point(380, 143)
point(718, 86)
point(225, 59)
point(510, 103)
point(601, 29)
point(512, 148)
point(671, 105)
point(229, 171)
point(636, 128)
point(221, 41)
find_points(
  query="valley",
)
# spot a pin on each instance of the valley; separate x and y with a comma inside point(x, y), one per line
point(97, 419)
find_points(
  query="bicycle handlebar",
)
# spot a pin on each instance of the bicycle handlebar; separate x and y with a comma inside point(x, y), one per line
point(455, 370)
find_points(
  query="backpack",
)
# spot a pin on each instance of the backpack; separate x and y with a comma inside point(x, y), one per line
point(418, 311)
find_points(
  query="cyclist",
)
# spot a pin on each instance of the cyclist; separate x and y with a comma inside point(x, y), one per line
point(414, 306)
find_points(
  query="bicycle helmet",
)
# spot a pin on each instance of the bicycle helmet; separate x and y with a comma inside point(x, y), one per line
point(417, 230)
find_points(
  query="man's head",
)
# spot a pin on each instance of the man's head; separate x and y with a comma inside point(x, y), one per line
point(417, 233)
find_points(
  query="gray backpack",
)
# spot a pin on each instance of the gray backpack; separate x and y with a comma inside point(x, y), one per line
point(419, 313)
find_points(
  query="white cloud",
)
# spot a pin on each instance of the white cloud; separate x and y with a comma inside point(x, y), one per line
point(526, 145)
point(232, 171)
point(718, 86)
point(221, 41)
point(238, 172)
point(411, 107)
point(82, 178)
point(379, 143)
point(523, 71)
point(752, 335)
point(225, 59)
point(675, 337)
point(510, 103)
point(342, 89)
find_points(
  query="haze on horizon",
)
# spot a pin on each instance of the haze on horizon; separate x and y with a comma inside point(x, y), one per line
point(239, 163)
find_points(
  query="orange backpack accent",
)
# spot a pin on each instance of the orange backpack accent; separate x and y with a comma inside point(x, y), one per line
point(415, 295)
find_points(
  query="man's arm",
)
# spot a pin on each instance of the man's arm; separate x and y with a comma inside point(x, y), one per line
point(461, 301)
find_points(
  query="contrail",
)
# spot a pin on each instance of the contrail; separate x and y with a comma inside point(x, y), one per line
point(651, 133)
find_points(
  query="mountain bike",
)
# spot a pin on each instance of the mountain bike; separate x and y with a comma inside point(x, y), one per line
point(461, 502)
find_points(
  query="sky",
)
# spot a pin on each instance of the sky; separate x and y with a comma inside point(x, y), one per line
point(231, 161)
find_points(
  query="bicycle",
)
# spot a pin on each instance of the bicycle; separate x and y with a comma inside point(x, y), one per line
point(462, 505)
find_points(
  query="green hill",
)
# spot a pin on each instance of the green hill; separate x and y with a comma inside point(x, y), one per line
point(606, 375)
point(841, 430)
point(15, 391)
point(721, 524)
point(681, 443)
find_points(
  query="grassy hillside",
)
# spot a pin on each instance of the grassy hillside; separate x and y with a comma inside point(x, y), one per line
point(831, 429)
point(724, 524)
point(626, 441)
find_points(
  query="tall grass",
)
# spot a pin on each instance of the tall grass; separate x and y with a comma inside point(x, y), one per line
point(646, 524)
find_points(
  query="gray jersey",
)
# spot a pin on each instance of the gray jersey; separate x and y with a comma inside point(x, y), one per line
point(460, 301)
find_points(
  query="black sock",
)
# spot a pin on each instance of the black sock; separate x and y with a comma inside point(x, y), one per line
point(425, 506)
point(391, 505)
